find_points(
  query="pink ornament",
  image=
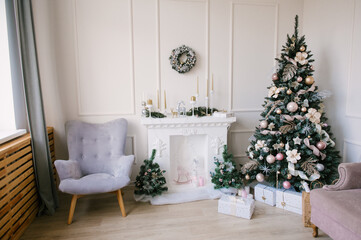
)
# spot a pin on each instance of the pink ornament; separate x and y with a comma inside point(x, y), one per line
point(292, 107)
point(279, 156)
point(299, 79)
point(270, 158)
point(321, 145)
point(274, 77)
point(286, 185)
point(325, 125)
point(260, 177)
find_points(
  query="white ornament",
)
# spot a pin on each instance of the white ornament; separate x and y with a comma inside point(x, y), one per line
point(276, 146)
point(260, 157)
point(301, 58)
point(259, 144)
point(270, 159)
point(293, 156)
point(297, 140)
point(313, 115)
point(263, 124)
point(265, 149)
point(320, 167)
point(271, 126)
point(260, 177)
point(292, 106)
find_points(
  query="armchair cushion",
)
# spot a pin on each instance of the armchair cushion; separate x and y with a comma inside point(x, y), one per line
point(350, 177)
point(68, 169)
point(93, 183)
point(115, 166)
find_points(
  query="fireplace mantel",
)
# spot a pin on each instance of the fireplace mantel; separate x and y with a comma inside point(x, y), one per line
point(186, 147)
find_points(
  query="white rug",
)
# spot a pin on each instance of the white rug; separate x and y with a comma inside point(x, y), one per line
point(191, 195)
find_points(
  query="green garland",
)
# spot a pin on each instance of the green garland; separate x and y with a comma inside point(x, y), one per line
point(201, 111)
point(156, 114)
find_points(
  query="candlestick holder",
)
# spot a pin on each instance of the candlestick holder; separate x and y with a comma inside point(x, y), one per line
point(144, 110)
point(192, 102)
point(211, 101)
point(206, 103)
point(150, 110)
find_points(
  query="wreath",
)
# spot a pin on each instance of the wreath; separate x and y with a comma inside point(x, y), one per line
point(177, 64)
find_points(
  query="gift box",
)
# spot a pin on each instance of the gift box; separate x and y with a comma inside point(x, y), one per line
point(236, 206)
point(289, 200)
point(265, 194)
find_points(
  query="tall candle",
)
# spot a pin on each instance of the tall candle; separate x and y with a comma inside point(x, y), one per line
point(207, 88)
point(212, 83)
point(197, 86)
point(158, 103)
point(165, 101)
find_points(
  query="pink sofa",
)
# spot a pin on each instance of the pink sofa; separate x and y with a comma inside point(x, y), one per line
point(336, 209)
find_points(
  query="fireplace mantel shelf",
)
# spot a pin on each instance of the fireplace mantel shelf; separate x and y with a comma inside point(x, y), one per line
point(181, 122)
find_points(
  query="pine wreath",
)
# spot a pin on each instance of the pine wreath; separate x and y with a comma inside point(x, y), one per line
point(177, 64)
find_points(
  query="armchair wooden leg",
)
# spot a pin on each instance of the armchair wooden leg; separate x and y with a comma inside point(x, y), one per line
point(72, 208)
point(315, 231)
point(121, 203)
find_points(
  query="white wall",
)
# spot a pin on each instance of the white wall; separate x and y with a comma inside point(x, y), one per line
point(335, 39)
point(97, 58)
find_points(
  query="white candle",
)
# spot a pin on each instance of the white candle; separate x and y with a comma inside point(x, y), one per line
point(165, 101)
point(158, 103)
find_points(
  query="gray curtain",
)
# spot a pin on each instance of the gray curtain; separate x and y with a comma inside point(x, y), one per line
point(20, 12)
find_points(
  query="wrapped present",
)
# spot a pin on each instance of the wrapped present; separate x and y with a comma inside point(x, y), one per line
point(265, 194)
point(236, 206)
point(289, 200)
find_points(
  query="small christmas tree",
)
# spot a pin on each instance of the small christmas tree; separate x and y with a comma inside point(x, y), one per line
point(293, 142)
point(150, 180)
point(226, 174)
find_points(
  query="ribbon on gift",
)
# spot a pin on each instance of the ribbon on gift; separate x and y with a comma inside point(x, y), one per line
point(327, 138)
point(315, 150)
point(291, 118)
point(311, 89)
point(266, 132)
point(294, 172)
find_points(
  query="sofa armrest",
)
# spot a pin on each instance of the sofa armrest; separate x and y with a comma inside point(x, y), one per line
point(350, 177)
point(68, 169)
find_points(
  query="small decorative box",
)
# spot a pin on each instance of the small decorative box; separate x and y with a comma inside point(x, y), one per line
point(289, 200)
point(265, 194)
point(236, 206)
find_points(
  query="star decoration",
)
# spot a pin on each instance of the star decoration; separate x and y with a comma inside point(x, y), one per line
point(297, 99)
point(271, 126)
point(265, 169)
point(277, 146)
point(297, 140)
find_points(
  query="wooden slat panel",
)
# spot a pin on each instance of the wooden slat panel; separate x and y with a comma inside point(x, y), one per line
point(19, 202)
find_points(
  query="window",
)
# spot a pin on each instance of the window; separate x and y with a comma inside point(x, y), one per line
point(7, 113)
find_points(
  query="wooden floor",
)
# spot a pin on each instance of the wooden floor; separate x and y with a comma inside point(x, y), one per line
point(99, 217)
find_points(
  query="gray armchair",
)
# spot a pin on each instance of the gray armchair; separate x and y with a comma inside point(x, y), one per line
point(96, 161)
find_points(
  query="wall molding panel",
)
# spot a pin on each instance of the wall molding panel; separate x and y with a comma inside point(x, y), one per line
point(348, 142)
point(353, 78)
point(231, 84)
point(81, 80)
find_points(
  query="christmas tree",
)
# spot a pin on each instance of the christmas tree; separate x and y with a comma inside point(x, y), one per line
point(226, 174)
point(150, 180)
point(293, 142)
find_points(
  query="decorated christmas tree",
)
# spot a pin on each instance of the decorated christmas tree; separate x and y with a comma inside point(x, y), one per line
point(226, 174)
point(293, 142)
point(150, 180)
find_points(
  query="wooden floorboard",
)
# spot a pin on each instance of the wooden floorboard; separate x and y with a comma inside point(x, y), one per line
point(99, 217)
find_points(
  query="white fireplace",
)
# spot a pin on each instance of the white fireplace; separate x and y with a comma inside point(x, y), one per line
point(186, 147)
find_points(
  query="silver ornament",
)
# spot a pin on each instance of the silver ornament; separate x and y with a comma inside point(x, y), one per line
point(320, 167)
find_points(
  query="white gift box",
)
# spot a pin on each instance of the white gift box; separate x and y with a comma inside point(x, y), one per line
point(289, 200)
point(236, 206)
point(222, 114)
point(265, 194)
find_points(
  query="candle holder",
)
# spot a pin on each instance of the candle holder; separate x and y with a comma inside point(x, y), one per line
point(206, 103)
point(193, 102)
point(150, 106)
point(211, 101)
point(144, 110)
